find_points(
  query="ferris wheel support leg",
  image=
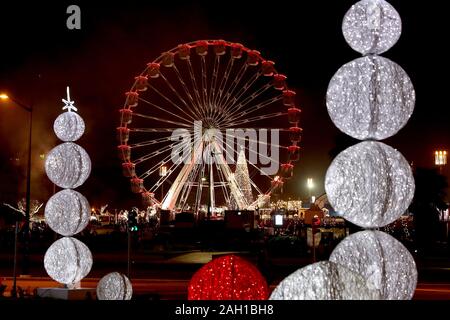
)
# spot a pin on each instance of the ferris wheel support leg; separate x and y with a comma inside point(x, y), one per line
point(172, 195)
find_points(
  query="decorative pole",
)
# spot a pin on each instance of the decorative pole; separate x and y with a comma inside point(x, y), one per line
point(371, 184)
point(67, 212)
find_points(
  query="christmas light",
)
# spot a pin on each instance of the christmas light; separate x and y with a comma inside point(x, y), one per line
point(324, 280)
point(69, 126)
point(67, 212)
point(372, 26)
point(114, 286)
point(370, 98)
point(67, 261)
point(68, 165)
point(370, 184)
point(382, 260)
point(228, 278)
point(243, 181)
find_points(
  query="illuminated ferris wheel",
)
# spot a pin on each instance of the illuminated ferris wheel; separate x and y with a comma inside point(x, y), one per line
point(181, 111)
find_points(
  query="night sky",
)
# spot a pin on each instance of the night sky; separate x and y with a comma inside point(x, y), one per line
point(40, 57)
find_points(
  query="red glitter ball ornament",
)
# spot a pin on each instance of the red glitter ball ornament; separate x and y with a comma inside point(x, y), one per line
point(228, 278)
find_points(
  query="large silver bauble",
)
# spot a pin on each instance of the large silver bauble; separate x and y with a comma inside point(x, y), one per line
point(382, 260)
point(67, 212)
point(324, 280)
point(68, 165)
point(67, 261)
point(370, 98)
point(114, 286)
point(370, 184)
point(69, 126)
point(372, 26)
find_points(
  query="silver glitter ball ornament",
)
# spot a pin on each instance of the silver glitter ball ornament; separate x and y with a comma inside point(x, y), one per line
point(68, 165)
point(69, 126)
point(370, 184)
point(382, 260)
point(67, 261)
point(372, 26)
point(324, 280)
point(370, 98)
point(67, 212)
point(114, 286)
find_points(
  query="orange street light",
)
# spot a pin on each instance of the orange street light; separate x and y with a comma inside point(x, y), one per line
point(440, 158)
point(4, 96)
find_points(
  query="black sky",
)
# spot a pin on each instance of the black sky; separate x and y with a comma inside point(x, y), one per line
point(40, 56)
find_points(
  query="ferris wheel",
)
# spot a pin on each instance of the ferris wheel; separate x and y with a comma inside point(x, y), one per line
point(188, 102)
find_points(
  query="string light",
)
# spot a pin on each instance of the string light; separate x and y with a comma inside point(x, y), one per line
point(370, 98)
point(370, 184)
point(382, 260)
point(68, 165)
point(372, 26)
point(67, 261)
point(324, 280)
point(69, 126)
point(114, 286)
point(67, 212)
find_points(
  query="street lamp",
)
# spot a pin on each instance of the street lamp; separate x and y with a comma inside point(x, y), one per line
point(310, 185)
point(162, 173)
point(29, 109)
point(440, 159)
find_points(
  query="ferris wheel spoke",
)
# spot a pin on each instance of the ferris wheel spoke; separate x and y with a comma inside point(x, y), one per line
point(171, 170)
point(238, 107)
point(212, 91)
point(262, 142)
point(160, 163)
point(231, 156)
point(149, 142)
point(158, 130)
point(255, 186)
point(171, 102)
point(195, 86)
point(192, 183)
point(178, 96)
point(229, 118)
point(155, 168)
point(162, 109)
point(223, 82)
point(204, 86)
point(187, 188)
point(197, 108)
point(244, 89)
point(154, 154)
point(233, 85)
point(257, 118)
point(163, 150)
point(161, 119)
point(224, 184)
point(198, 196)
